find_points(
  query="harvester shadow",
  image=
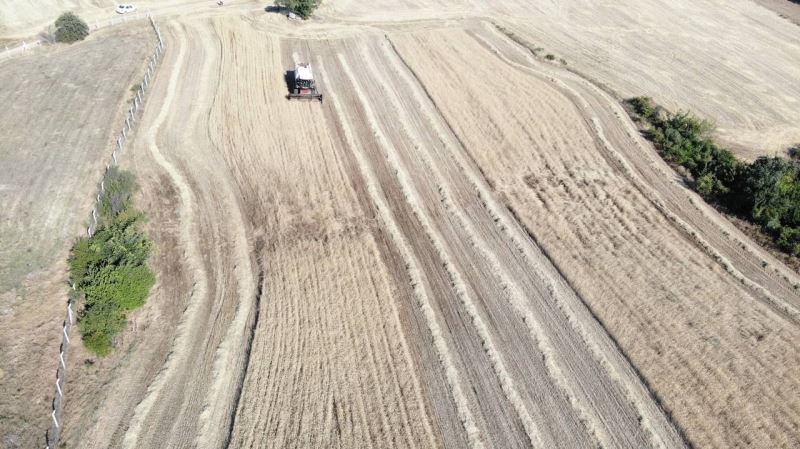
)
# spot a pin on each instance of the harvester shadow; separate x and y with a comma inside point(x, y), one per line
point(289, 77)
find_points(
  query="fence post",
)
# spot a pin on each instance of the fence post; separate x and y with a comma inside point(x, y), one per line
point(138, 100)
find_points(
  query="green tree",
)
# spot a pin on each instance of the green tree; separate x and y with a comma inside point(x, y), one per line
point(772, 193)
point(789, 240)
point(70, 28)
point(303, 8)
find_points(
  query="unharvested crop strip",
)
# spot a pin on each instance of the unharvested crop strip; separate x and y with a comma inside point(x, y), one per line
point(388, 351)
point(602, 345)
point(418, 281)
point(242, 328)
point(586, 412)
point(460, 287)
point(778, 305)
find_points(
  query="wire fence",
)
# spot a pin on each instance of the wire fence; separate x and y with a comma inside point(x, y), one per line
point(54, 432)
point(24, 46)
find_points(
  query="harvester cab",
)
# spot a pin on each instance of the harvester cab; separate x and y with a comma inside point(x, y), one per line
point(304, 87)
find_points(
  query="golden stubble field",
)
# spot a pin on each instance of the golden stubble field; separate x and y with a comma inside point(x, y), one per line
point(432, 259)
point(464, 246)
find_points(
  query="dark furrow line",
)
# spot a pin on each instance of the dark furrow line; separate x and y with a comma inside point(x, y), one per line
point(650, 390)
point(693, 233)
point(247, 351)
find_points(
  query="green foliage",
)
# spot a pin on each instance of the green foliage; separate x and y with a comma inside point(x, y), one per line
point(686, 140)
point(767, 191)
point(709, 186)
point(643, 106)
point(70, 28)
point(99, 323)
point(125, 285)
point(550, 57)
point(771, 192)
point(302, 8)
point(110, 268)
point(789, 240)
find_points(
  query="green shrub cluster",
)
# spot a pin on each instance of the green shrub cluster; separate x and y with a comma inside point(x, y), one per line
point(767, 191)
point(70, 28)
point(302, 8)
point(110, 268)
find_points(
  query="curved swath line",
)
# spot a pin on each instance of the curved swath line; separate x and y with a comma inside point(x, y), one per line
point(419, 284)
point(226, 380)
point(412, 196)
point(779, 305)
point(192, 248)
point(592, 332)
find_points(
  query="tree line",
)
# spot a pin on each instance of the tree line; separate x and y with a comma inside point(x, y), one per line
point(765, 192)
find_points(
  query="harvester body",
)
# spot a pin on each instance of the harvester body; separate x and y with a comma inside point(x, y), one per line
point(305, 87)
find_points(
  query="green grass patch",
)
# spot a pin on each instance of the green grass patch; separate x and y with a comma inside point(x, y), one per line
point(110, 268)
point(765, 192)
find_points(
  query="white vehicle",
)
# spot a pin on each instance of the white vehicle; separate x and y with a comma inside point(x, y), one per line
point(125, 8)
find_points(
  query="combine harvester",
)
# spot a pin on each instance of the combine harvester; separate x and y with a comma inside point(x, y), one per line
point(305, 88)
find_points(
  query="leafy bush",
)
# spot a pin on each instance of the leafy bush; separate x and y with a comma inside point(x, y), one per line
point(99, 323)
point(70, 28)
point(767, 192)
point(686, 140)
point(644, 107)
point(110, 268)
point(302, 8)
point(125, 285)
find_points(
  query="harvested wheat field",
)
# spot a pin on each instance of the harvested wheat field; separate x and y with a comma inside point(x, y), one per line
point(408, 265)
point(464, 246)
point(58, 122)
point(734, 62)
